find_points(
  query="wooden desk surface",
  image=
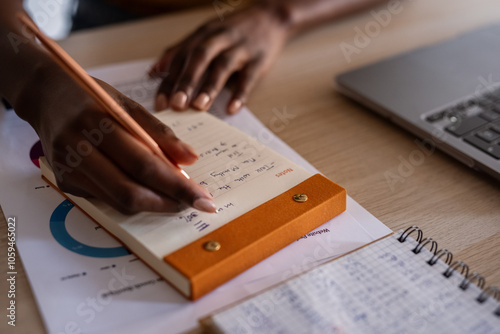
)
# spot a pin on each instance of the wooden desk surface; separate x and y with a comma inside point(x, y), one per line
point(455, 205)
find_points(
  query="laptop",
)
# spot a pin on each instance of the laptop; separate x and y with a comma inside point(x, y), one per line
point(447, 93)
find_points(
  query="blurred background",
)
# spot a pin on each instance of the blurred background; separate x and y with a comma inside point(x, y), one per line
point(52, 16)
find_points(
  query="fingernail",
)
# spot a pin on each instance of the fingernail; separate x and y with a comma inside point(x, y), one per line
point(179, 101)
point(205, 204)
point(161, 102)
point(234, 106)
point(202, 101)
point(189, 149)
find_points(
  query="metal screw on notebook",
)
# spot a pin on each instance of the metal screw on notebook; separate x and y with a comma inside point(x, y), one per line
point(212, 246)
point(300, 198)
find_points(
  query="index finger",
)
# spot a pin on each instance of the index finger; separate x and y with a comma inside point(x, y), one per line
point(148, 170)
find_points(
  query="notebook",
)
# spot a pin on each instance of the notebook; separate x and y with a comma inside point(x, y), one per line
point(394, 285)
point(264, 202)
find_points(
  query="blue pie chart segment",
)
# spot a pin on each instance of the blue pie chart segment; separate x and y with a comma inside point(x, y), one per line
point(60, 233)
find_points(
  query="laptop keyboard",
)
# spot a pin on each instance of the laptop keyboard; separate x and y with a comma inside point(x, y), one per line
point(476, 121)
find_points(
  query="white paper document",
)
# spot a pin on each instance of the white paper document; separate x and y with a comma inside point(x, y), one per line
point(84, 281)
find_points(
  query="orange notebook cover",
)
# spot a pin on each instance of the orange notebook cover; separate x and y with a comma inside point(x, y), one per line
point(258, 212)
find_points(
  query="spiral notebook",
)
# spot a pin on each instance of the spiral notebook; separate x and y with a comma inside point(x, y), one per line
point(394, 285)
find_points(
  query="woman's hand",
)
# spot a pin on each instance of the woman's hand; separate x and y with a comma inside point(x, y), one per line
point(93, 156)
point(243, 46)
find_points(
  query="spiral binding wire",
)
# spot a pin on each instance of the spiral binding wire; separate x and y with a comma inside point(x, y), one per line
point(453, 267)
point(440, 253)
point(470, 279)
point(434, 246)
point(410, 230)
point(489, 292)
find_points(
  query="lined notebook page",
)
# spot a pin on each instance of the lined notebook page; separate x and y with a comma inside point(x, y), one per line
point(381, 288)
point(239, 172)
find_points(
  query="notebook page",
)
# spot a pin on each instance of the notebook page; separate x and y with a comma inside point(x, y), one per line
point(381, 288)
point(237, 170)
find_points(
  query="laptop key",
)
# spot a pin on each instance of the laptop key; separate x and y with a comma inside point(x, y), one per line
point(495, 127)
point(491, 149)
point(465, 125)
point(488, 135)
point(490, 115)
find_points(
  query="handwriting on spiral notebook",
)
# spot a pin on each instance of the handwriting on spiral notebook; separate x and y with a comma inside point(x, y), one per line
point(381, 288)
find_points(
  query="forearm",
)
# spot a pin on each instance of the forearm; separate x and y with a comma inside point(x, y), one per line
point(12, 40)
point(23, 63)
point(302, 15)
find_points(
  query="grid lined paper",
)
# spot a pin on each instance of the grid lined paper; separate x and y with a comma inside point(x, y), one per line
point(381, 288)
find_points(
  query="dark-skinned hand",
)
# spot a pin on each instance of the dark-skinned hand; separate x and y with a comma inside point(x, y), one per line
point(242, 46)
point(93, 156)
